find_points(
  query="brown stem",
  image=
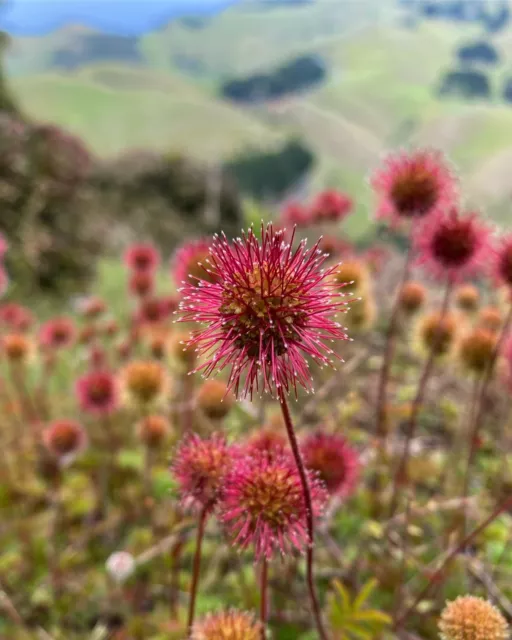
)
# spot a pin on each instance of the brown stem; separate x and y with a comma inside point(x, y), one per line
point(309, 514)
point(388, 354)
point(439, 576)
point(401, 473)
point(264, 597)
point(196, 570)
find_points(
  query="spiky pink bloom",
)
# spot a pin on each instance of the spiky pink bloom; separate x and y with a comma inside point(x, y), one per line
point(503, 260)
point(263, 504)
point(57, 333)
point(413, 185)
point(271, 308)
point(200, 468)
point(330, 206)
point(454, 245)
point(65, 439)
point(334, 460)
point(16, 317)
point(295, 214)
point(266, 441)
point(142, 257)
point(188, 264)
point(98, 393)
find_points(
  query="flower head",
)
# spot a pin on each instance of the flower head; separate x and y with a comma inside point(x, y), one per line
point(471, 618)
point(333, 459)
point(120, 565)
point(144, 381)
point(503, 260)
point(437, 332)
point(200, 467)
point(92, 307)
point(295, 214)
point(412, 297)
point(270, 308)
point(490, 318)
point(330, 206)
point(15, 317)
point(229, 625)
point(267, 441)
point(189, 260)
point(57, 333)
point(142, 257)
point(64, 439)
point(17, 347)
point(467, 297)
point(98, 393)
point(413, 185)
point(141, 282)
point(353, 273)
point(476, 350)
point(153, 430)
point(214, 399)
point(263, 504)
point(181, 353)
point(453, 245)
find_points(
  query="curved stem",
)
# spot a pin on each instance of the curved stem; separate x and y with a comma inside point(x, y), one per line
point(388, 353)
point(196, 570)
point(401, 473)
point(264, 597)
point(309, 514)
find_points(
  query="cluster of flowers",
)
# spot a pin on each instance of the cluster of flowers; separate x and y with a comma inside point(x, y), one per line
point(327, 207)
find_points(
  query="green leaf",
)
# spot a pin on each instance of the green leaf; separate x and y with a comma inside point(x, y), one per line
point(365, 593)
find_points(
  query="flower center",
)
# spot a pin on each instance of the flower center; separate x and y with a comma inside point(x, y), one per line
point(454, 245)
point(273, 497)
point(415, 192)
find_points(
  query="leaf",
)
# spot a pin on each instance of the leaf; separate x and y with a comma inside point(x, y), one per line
point(365, 593)
point(344, 596)
point(373, 616)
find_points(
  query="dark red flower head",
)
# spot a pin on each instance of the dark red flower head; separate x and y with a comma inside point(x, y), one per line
point(503, 260)
point(333, 459)
point(272, 307)
point(98, 393)
point(295, 214)
point(200, 467)
point(263, 504)
point(65, 439)
point(330, 206)
point(141, 282)
point(142, 257)
point(413, 185)
point(453, 245)
point(57, 333)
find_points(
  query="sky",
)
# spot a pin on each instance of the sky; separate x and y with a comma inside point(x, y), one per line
point(124, 17)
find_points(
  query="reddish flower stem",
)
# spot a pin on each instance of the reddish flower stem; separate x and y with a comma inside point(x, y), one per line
point(388, 354)
point(401, 473)
point(309, 514)
point(196, 570)
point(264, 597)
point(439, 576)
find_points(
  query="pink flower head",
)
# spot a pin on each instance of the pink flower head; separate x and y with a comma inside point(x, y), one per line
point(57, 333)
point(190, 263)
point(142, 257)
point(295, 214)
point(15, 317)
point(65, 439)
point(92, 307)
point(267, 441)
point(413, 185)
point(330, 206)
point(453, 245)
point(141, 282)
point(98, 393)
point(335, 462)
point(271, 308)
point(152, 311)
point(200, 467)
point(263, 504)
point(503, 260)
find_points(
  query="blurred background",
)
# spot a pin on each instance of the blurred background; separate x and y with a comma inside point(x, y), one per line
point(190, 115)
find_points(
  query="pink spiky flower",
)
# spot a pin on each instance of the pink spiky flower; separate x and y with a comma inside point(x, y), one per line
point(188, 264)
point(98, 393)
point(503, 260)
point(65, 439)
point(330, 206)
point(200, 468)
point(15, 317)
point(267, 441)
point(413, 185)
point(271, 307)
point(334, 460)
point(453, 245)
point(142, 256)
point(295, 214)
point(57, 333)
point(263, 504)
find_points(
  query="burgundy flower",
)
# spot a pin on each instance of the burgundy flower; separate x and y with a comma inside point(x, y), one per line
point(98, 393)
point(295, 214)
point(271, 308)
point(330, 206)
point(65, 439)
point(57, 333)
point(141, 282)
point(413, 185)
point(263, 504)
point(142, 257)
point(334, 460)
point(190, 262)
point(200, 467)
point(453, 245)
